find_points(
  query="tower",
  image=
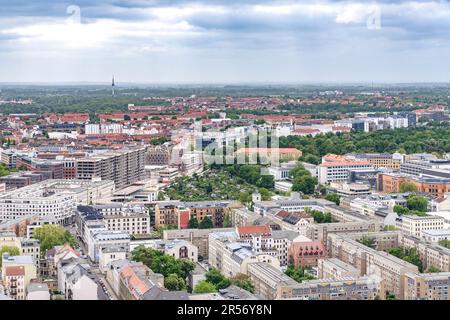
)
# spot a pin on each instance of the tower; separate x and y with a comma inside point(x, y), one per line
point(112, 85)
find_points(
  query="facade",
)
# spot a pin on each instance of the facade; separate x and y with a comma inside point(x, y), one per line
point(14, 282)
point(52, 199)
point(333, 171)
point(22, 269)
point(334, 268)
point(179, 213)
point(306, 254)
point(427, 286)
point(75, 280)
point(101, 238)
point(123, 167)
point(416, 225)
point(370, 262)
point(280, 153)
point(109, 254)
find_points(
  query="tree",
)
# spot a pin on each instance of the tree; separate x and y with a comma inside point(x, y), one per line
point(418, 203)
point(51, 235)
point(400, 210)
point(445, 243)
point(368, 241)
point(204, 286)
point(243, 281)
point(433, 270)
point(206, 223)
point(298, 274)
point(305, 184)
point(333, 197)
point(227, 221)
point(11, 250)
point(174, 282)
point(390, 296)
point(193, 223)
point(214, 276)
point(407, 187)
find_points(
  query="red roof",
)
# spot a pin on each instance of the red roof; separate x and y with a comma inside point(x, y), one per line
point(253, 230)
point(15, 271)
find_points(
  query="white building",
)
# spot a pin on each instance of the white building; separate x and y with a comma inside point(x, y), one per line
point(436, 235)
point(38, 291)
point(338, 170)
point(75, 280)
point(110, 254)
point(100, 238)
point(416, 225)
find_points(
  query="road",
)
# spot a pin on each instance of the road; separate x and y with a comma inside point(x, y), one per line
point(105, 291)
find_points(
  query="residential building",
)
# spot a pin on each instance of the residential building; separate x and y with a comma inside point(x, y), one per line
point(416, 225)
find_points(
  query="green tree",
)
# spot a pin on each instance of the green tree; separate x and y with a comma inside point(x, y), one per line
point(206, 223)
point(298, 274)
point(173, 282)
point(445, 243)
point(227, 220)
point(368, 241)
point(433, 270)
point(305, 184)
point(333, 197)
point(193, 223)
point(417, 203)
point(51, 235)
point(407, 187)
point(214, 276)
point(243, 281)
point(400, 210)
point(11, 250)
point(204, 287)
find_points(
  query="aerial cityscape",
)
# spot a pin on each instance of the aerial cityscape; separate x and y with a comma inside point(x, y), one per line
point(219, 183)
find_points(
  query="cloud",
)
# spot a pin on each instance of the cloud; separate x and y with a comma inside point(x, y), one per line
point(306, 34)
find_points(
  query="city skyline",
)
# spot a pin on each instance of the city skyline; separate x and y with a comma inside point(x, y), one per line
point(164, 42)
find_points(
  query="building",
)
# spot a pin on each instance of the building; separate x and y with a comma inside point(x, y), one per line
point(370, 262)
point(31, 247)
point(390, 183)
point(157, 155)
point(52, 199)
point(76, 281)
point(99, 238)
point(416, 225)
point(13, 278)
point(346, 288)
point(306, 254)
point(198, 237)
point(427, 286)
point(179, 213)
point(334, 268)
point(18, 270)
point(109, 254)
point(123, 167)
point(381, 160)
point(436, 235)
point(38, 291)
point(332, 171)
point(269, 153)
point(179, 249)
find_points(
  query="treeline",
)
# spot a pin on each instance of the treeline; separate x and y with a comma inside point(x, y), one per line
point(435, 138)
point(341, 108)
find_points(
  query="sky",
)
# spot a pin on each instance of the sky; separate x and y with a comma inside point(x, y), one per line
point(224, 41)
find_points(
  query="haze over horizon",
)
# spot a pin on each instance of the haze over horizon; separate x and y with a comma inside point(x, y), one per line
point(225, 42)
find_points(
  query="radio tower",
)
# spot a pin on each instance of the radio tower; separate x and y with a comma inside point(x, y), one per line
point(112, 86)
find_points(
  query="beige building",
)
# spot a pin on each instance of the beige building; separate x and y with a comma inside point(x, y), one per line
point(368, 261)
point(334, 268)
point(415, 225)
point(427, 286)
point(198, 237)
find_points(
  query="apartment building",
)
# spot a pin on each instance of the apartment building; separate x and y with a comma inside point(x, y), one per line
point(22, 269)
point(179, 213)
point(198, 237)
point(52, 199)
point(268, 280)
point(305, 254)
point(334, 268)
point(416, 225)
point(157, 155)
point(370, 262)
point(269, 153)
point(179, 249)
point(332, 171)
point(390, 183)
point(346, 288)
point(232, 257)
point(99, 238)
point(381, 160)
point(321, 231)
point(31, 247)
point(14, 282)
point(123, 167)
point(427, 286)
point(431, 254)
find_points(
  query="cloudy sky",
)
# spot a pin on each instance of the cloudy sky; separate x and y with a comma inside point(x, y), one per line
point(224, 41)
